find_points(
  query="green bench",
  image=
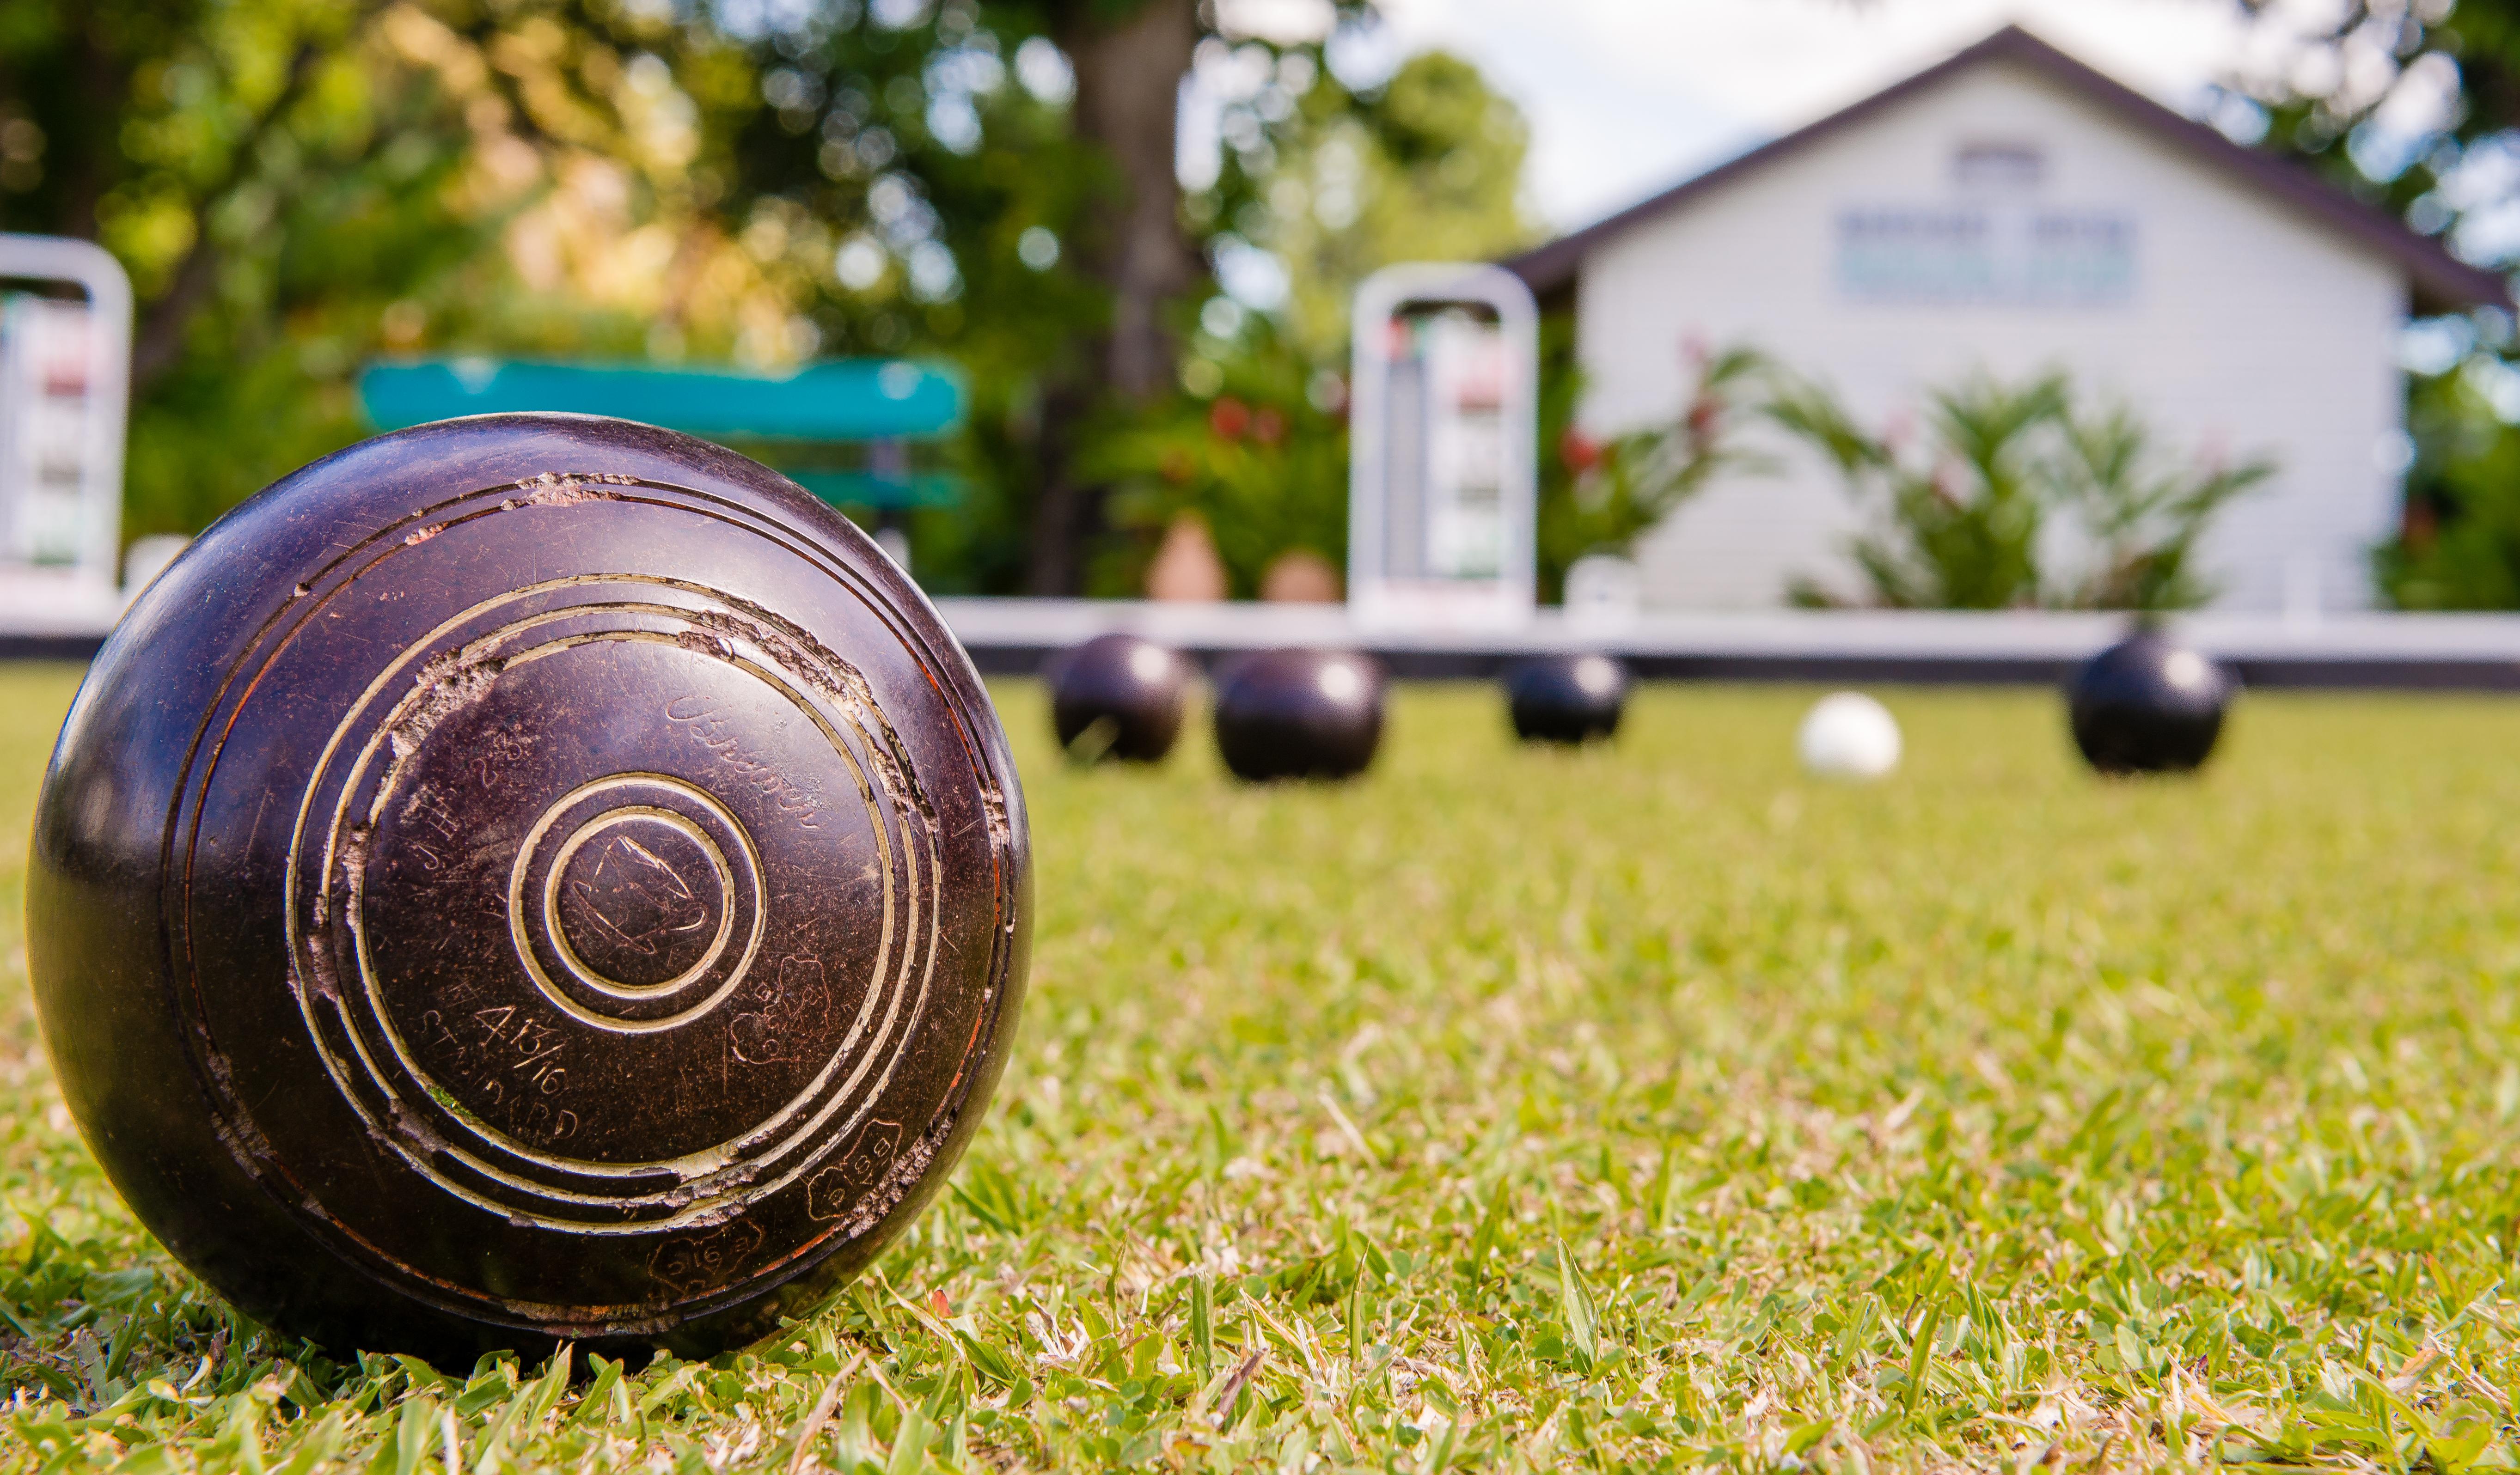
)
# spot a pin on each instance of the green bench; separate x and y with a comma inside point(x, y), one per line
point(842, 429)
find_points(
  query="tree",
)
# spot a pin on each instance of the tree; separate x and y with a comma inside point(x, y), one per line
point(997, 183)
point(2460, 548)
point(1129, 57)
point(2356, 90)
point(296, 185)
point(1426, 165)
point(2416, 104)
point(1426, 168)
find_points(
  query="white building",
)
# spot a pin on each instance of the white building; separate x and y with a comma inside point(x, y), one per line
point(2011, 210)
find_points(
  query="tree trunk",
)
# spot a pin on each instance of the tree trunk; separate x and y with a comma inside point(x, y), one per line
point(1129, 73)
point(157, 343)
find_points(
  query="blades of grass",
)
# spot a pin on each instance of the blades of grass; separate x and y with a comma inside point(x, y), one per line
point(244, 1433)
point(909, 1443)
point(601, 1395)
point(1093, 741)
point(317, 1448)
point(988, 1360)
point(1202, 1326)
point(1236, 1382)
point(1858, 1334)
point(1287, 1339)
point(1347, 1127)
point(410, 1443)
point(990, 1196)
point(1921, 1354)
point(1439, 1456)
point(1575, 1308)
point(1356, 1324)
point(820, 1413)
point(1295, 1451)
point(1483, 1240)
point(547, 1389)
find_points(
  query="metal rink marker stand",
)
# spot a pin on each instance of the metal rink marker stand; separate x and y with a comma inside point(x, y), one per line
point(65, 390)
point(1442, 503)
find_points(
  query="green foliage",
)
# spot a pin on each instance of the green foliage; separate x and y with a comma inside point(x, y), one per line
point(2141, 520)
point(1561, 538)
point(1658, 1107)
point(1963, 516)
point(2460, 548)
point(299, 186)
point(839, 155)
point(1426, 168)
point(296, 186)
point(1262, 459)
point(2460, 542)
point(2328, 72)
point(1609, 494)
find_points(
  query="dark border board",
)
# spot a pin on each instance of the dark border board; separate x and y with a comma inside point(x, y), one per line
point(2308, 669)
point(2307, 672)
point(74, 648)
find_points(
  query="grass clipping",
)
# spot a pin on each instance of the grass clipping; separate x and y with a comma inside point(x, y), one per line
point(1644, 1108)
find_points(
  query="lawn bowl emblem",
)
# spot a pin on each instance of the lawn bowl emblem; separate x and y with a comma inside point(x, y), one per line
point(587, 888)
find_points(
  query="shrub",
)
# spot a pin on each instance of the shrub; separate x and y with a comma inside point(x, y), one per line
point(1262, 459)
point(1602, 496)
point(2459, 548)
point(1965, 516)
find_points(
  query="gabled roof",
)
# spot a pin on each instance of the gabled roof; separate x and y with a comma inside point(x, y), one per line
point(2439, 281)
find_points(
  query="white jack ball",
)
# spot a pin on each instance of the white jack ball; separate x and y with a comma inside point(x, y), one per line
point(1849, 736)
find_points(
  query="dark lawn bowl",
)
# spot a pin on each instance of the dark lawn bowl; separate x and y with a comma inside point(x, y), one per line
point(529, 879)
point(2147, 705)
point(1566, 698)
point(1299, 714)
point(1119, 697)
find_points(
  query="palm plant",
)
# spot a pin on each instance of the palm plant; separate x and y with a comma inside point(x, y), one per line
point(1966, 517)
point(1963, 521)
point(2143, 520)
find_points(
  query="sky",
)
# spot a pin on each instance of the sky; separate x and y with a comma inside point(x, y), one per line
point(1626, 96)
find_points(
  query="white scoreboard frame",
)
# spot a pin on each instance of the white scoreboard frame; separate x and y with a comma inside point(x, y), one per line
point(94, 271)
point(1374, 596)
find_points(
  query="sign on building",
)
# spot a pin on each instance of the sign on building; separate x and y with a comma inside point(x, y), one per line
point(1999, 255)
point(1441, 499)
point(64, 374)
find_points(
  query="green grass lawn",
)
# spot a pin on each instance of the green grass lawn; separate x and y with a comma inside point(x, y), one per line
point(1646, 1106)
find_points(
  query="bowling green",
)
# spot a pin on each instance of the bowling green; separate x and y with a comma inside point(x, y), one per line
point(1652, 1107)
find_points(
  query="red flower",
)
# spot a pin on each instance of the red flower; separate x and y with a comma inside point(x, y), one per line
point(1704, 416)
point(1229, 417)
point(1580, 452)
point(1267, 427)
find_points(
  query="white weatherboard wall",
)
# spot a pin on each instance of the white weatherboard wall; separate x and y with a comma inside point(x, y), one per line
point(2247, 329)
